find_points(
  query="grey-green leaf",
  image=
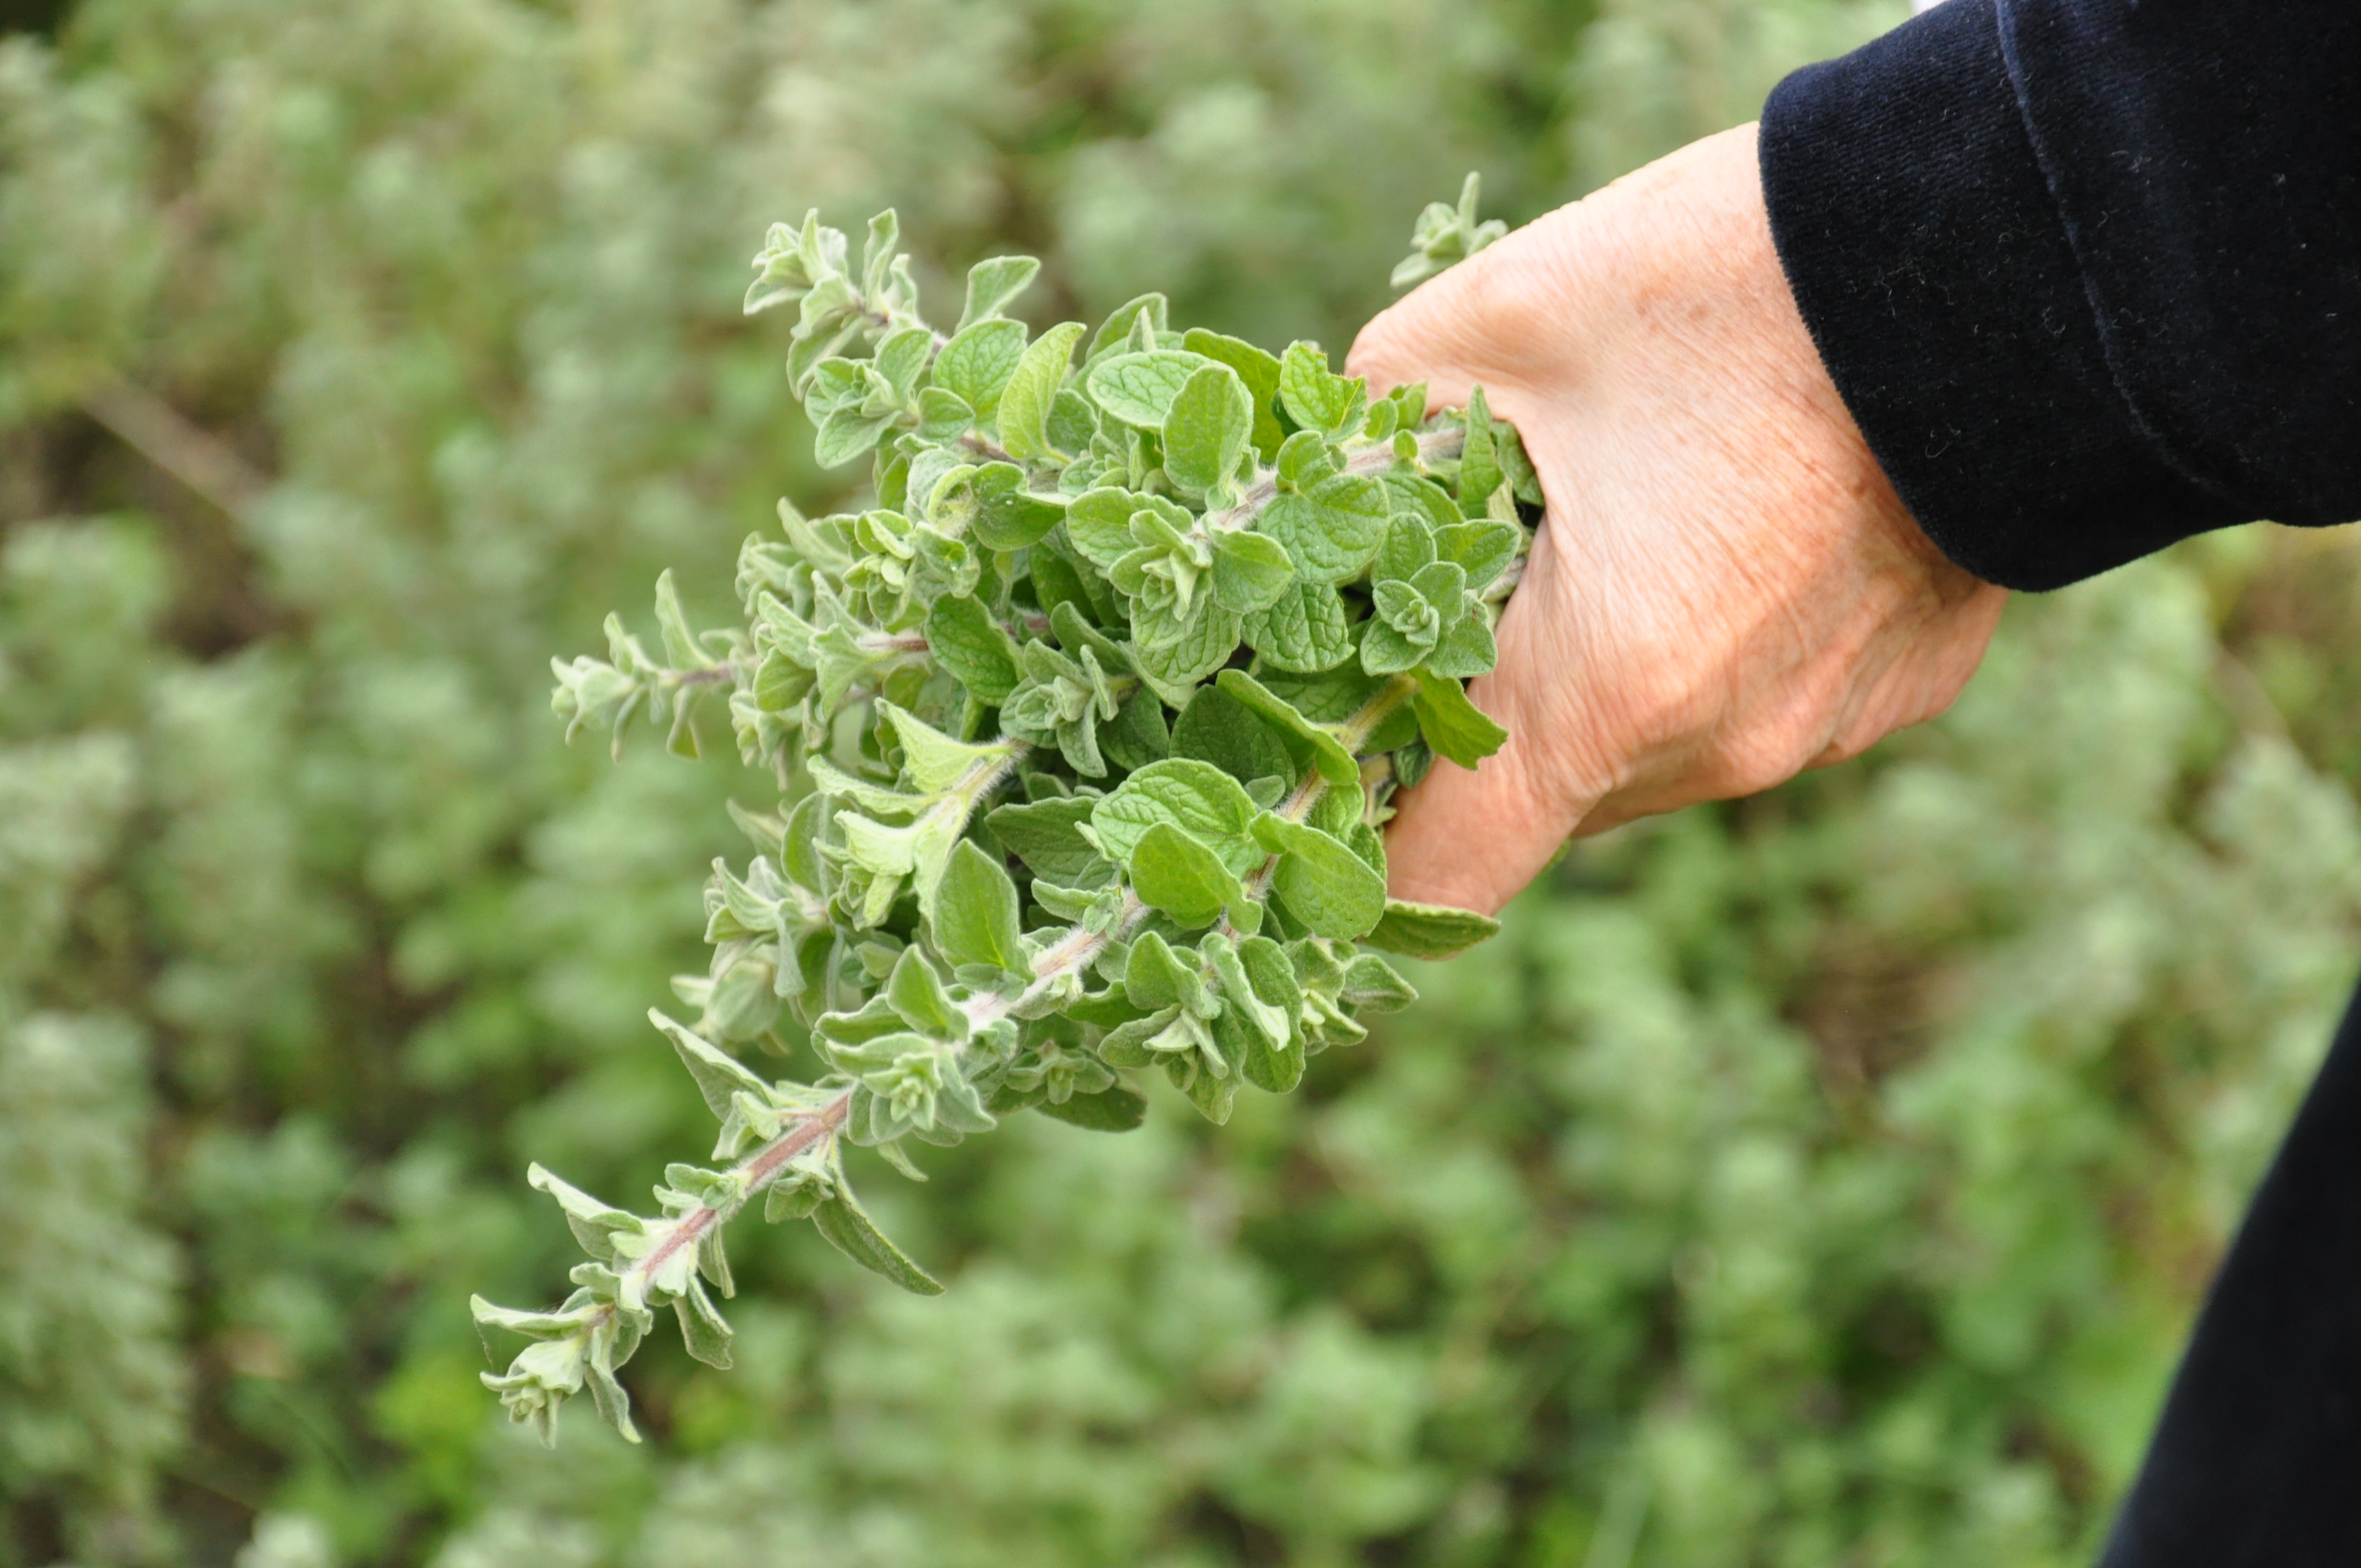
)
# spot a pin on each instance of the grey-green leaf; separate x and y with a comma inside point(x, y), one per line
point(1032, 391)
point(977, 363)
point(1216, 728)
point(1323, 883)
point(976, 914)
point(1194, 797)
point(1117, 328)
point(991, 283)
point(1153, 976)
point(846, 434)
point(849, 1229)
point(1481, 549)
point(999, 509)
point(1250, 571)
point(1139, 389)
point(1479, 470)
point(1315, 397)
point(719, 1074)
point(1332, 531)
point(943, 414)
point(1311, 746)
point(1098, 524)
point(1205, 645)
point(1115, 1109)
point(702, 1329)
point(1429, 930)
point(1467, 650)
point(1174, 873)
point(1047, 836)
point(1259, 370)
point(1073, 422)
point(1304, 632)
point(1454, 727)
point(1206, 428)
point(966, 641)
point(916, 992)
point(1373, 985)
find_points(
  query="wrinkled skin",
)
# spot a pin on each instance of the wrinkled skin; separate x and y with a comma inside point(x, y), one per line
point(1726, 590)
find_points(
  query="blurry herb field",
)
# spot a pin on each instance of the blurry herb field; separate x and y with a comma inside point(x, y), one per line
point(1825, 1178)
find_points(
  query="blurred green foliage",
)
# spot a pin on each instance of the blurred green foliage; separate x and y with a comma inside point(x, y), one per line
point(1822, 1178)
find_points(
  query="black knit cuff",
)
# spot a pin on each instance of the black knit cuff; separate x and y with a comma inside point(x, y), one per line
point(1931, 265)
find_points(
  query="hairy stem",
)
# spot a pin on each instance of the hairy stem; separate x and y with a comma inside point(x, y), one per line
point(1077, 949)
point(1354, 732)
point(1433, 446)
point(990, 451)
point(756, 1171)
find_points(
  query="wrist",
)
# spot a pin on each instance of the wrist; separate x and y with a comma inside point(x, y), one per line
point(1942, 290)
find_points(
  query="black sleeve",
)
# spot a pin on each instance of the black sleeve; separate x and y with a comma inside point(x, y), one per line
point(2087, 272)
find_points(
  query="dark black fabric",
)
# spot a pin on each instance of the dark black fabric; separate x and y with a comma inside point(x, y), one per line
point(2256, 1463)
point(2087, 272)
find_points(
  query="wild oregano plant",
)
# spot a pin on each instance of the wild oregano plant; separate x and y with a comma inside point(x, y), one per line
point(1089, 724)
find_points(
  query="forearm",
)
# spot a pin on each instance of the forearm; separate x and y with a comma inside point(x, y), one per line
point(2087, 274)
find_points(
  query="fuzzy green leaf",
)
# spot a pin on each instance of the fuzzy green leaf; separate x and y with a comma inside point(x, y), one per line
point(1323, 883)
point(1032, 391)
point(719, 1074)
point(917, 995)
point(1413, 495)
point(849, 1229)
point(1205, 645)
point(846, 434)
point(1260, 992)
point(1047, 836)
point(1467, 650)
point(991, 283)
point(1118, 328)
point(1315, 397)
point(1483, 549)
point(1218, 728)
point(1429, 930)
point(993, 501)
point(1153, 976)
point(1073, 422)
point(1372, 985)
point(1332, 531)
point(976, 914)
point(1139, 737)
point(1304, 631)
point(1098, 524)
point(1454, 727)
point(1250, 571)
point(966, 641)
point(1174, 873)
point(1206, 428)
point(1313, 747)
point(702, 1329)
point(931, 760)
point(975, 365)
point(1116, 1110)
point(1194, 797)
point(595, 1224)
point(1259, 370)
point(1139, 389)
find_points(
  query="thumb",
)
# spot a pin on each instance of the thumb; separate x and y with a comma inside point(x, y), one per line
point(1454, 331)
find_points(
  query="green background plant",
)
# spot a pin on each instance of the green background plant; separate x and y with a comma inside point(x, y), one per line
point(1826, 1178)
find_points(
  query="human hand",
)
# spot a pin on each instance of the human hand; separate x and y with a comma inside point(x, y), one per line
point(1726, 590)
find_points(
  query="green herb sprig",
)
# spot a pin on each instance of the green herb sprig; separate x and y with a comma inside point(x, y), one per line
point(1089, 724)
